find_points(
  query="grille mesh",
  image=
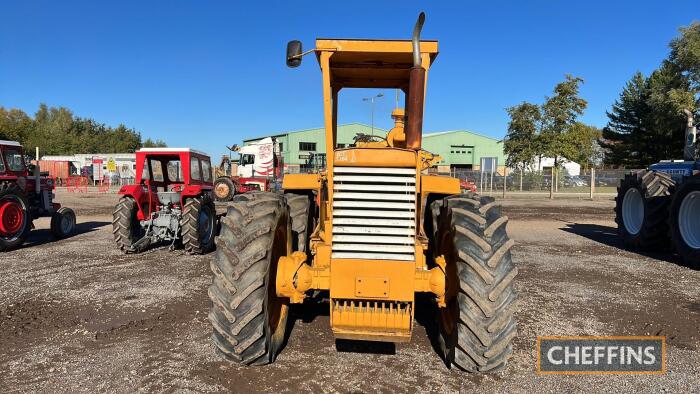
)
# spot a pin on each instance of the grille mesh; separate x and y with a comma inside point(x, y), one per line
point(374, 213)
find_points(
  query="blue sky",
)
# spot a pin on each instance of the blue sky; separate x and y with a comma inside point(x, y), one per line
point(207, 74)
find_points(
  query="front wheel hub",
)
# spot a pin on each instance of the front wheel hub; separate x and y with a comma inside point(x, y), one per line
point(11, 217)
point(206, 226)
point(633, 211)
point(222, 190)
point(67, 224)
point(688, 223)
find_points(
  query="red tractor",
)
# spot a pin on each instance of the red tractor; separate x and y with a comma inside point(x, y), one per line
point(259, 167)
point(171, 201)
point(467, 186)
point(25, 197)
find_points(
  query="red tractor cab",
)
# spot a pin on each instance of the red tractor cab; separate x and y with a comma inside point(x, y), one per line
point(25, 197)
point(467, 186)
point(171, 201)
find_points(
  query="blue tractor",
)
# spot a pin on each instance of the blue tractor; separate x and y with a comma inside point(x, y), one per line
point(660, 206)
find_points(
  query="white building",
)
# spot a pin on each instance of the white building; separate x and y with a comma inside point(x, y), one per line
point(571, 168)
point(122, 165)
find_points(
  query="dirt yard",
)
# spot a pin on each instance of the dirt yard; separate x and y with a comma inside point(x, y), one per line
point(77, 315)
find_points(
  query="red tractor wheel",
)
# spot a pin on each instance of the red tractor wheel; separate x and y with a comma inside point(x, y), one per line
point(125, 224)
point(15, 221)
point(224, 189)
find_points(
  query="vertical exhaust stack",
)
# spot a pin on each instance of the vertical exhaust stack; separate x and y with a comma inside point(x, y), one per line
point(37, 174)
point(690, 137)
point(416, 92)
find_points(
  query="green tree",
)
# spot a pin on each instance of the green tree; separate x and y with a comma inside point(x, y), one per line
point(56, 131)
point(51, 130)
point(646, 123)
point(552, 129)
point(685, 52)
point(149, 143)
point(581, 145)
point(123, 139)
point(15, 125)
point(520, 144)
point(559, 114)
point(669, 93)
point(623, 137)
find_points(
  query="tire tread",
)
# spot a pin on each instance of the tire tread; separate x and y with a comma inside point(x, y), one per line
point(486, 298)
point(240, 266)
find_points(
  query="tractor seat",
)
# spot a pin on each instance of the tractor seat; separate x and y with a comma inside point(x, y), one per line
point(167, 198)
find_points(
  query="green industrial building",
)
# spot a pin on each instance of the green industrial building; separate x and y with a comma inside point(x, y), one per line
point(458, 148)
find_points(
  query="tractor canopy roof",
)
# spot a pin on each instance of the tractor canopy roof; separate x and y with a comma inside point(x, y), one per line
point(172, 151)
point(9, 143)
point(12, 159)
point(363, 63)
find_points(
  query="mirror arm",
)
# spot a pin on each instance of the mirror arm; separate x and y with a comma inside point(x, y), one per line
point(299, 56)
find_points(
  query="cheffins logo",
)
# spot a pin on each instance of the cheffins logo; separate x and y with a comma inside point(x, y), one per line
point(601, 355)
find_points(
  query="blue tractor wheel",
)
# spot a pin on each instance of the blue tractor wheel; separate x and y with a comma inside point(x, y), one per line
point(641, 209)
point(684, 220)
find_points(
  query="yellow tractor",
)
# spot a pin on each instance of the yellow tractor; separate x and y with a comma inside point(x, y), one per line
point(369, 232)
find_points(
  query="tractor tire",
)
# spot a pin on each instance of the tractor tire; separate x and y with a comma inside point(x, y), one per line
point(684, 221)
point(641, 209)
point(224, 189)
point(198, 225)
point(249, 320)
point(15, 217)
point(63, 223)
point(125, 224)
point(431, 217)
point(301, 220)
point(477, 326)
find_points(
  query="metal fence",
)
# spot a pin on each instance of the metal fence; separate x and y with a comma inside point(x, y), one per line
point(529, 183)
point(82, 184)
point(589, 183)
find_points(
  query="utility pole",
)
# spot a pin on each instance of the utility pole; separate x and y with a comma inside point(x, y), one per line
point(521, 178)
point(505, 174)
point(371, 100)
point(551, 183)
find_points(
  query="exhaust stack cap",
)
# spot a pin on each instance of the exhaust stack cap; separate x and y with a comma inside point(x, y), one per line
point(416, 39)
point(416, 92)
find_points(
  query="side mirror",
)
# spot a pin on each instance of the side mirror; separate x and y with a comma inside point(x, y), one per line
point(293, 53)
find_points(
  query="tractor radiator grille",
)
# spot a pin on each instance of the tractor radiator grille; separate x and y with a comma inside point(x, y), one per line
point(374, 213)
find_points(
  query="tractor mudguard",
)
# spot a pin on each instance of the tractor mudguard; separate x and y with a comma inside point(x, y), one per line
point(676, 169)
point(139, 194)
point(193, 191)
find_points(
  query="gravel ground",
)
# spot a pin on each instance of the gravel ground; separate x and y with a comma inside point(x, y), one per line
point(77, 315)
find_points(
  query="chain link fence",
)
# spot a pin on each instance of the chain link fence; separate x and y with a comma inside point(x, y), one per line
point(589, 183)
point(83, 184)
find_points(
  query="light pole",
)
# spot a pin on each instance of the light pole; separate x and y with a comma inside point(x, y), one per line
point(371, 100)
